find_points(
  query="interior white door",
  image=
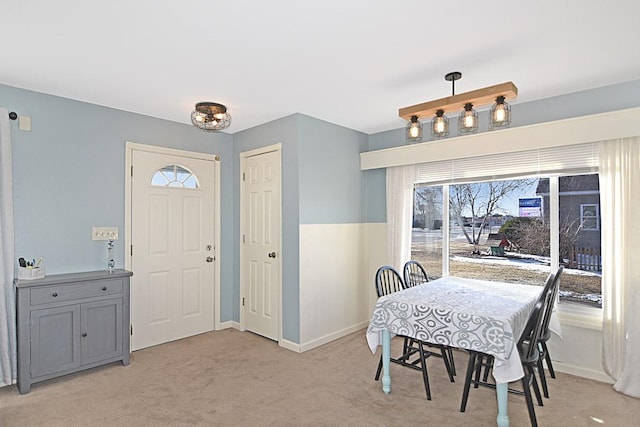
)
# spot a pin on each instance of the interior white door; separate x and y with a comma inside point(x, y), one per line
point(261, 264)
point(172, 235)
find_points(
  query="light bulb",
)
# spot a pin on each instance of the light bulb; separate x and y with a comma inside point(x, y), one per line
point(499, 114)
point(468, 120)
point(413, 131)
point(439, 125)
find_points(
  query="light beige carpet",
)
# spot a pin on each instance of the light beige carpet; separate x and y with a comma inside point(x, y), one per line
point(232, 378)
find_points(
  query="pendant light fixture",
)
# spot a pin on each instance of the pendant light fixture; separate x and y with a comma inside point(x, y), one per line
point(210, 116)
point(413, 130)
point(500, 114)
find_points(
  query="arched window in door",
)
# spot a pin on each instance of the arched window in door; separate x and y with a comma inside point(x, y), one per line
point(174, 176)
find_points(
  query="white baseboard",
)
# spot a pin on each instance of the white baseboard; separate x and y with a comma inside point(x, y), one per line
point(299, 348)
point(582, 372)
point(290, 345)
point(230, 324)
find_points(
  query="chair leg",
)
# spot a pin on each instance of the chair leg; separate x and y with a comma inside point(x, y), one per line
point(447, 363)
point(467, 380)
point(534, 382)
point(452, 361)
point(478, 368)
point(425, 375)
point(543, 379)
point(547, 357)
point(527, 394)
point(488, 364)
point(379, 369)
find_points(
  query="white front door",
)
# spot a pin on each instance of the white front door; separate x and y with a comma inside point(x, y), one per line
point(260, 261)
point(172, 236)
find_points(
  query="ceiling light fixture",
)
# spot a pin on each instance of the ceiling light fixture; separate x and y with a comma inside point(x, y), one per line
point(500, 114)
point(210, 116)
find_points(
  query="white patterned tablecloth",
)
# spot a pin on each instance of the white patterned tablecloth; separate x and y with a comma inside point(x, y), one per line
point(478, 315)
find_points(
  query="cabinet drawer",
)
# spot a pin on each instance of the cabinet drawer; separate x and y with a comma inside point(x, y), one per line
point(52, 294)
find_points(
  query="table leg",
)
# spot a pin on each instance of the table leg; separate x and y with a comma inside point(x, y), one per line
point(502, 390)
point(386, 355)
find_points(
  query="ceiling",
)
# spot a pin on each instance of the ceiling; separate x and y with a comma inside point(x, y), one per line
point(350, 62)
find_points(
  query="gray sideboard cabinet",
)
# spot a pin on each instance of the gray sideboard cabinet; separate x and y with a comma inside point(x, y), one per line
point(70, 322)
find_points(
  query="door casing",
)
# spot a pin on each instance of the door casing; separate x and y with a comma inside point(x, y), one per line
point(130, 147)
point(243, 219)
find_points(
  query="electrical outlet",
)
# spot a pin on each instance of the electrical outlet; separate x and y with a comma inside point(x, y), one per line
point(104, 233)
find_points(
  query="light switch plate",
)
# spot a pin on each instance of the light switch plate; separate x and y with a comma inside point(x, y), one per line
point(24, 122)
point(104, 233)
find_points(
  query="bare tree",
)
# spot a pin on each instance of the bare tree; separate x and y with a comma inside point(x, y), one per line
point(481, 200)
point(427, 206)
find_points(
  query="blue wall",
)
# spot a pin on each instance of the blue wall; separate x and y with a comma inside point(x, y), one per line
point(284, 131)
point(332, 187)
point(68, 176)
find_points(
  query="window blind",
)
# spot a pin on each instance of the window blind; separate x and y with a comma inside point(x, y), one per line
point(578, 158)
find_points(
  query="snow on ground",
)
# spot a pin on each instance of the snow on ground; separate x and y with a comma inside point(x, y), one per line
point(526, 262)
point(537, 263)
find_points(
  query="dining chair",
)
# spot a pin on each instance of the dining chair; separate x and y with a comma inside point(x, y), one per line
point(388, 281)
point(546, 334)
point(415, 274)
point(529, 356)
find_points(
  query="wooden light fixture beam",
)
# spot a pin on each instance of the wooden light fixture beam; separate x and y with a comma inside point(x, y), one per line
point(477, 97)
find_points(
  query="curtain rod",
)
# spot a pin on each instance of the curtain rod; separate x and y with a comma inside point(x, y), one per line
point(13, 115)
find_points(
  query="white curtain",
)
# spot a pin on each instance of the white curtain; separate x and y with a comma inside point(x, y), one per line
point(7, 262)
point(400, 181)
point(620, 207)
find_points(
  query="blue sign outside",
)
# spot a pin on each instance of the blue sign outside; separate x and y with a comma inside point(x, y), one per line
point(530, 206)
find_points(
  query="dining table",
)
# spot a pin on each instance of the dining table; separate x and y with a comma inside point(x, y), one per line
point(480, 315)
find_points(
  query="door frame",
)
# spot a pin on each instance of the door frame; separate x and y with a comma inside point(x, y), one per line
point(128, 204)
point(243, 220)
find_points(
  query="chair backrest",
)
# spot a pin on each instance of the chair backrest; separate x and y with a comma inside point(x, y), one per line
point(552, 301)
point(388, 281)
point(414, 274)
point(533, 329)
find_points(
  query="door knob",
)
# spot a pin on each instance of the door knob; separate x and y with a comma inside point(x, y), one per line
point(209, 259)
point(272, 255)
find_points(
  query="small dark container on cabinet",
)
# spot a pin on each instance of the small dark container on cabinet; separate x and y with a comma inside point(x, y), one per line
point(71, 322)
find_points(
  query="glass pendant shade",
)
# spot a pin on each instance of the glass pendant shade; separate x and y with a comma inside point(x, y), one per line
point(440, 125)
point(413, 130)
point(500, 114)
point(210, 116)
point(468, 120)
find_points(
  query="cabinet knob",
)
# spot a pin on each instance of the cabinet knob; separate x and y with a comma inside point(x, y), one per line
point(84, 334)
point(104, 288)
point(55, 294)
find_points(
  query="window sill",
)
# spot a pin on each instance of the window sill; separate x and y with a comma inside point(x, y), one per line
point(580, 316)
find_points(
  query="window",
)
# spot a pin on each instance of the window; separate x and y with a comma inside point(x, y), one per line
point(590, 217)
point(427, 232)
point(501, 230)
point(174, 176)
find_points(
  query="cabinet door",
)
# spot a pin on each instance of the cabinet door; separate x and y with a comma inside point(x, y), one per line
point(101, 330)
point(55, 344)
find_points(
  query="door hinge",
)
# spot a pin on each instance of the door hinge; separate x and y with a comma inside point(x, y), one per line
point(243, 238)
point(131, 329)
point(243, 301)
point(131, 171)
point(243, 177)
point(131, 250)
